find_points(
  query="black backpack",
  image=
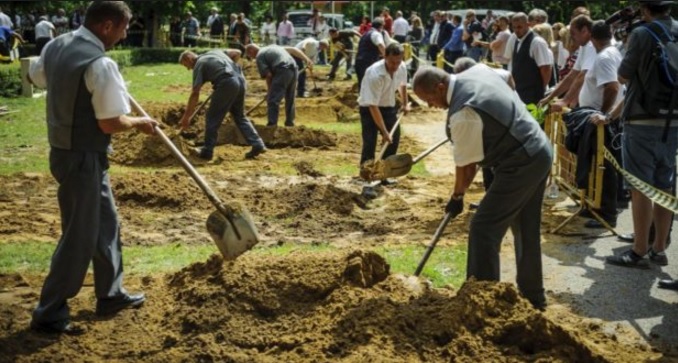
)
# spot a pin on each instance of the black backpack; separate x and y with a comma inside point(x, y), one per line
point(660, 99)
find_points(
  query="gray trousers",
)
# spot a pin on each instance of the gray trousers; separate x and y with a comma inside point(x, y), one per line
point(283, 85)
point(229, 96)
point(514, 200)
point(90, 233)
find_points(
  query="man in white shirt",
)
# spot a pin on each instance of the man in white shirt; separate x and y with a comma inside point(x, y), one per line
point(490, 127)
point(570, 86)
point(532, 61)
point(44, 32)
point(433, 40)
point(602, 91)
point(79, 163)
point(60, 22)
point(5, 20)
point(312, 49)
point(400, 27)
point(378, 112)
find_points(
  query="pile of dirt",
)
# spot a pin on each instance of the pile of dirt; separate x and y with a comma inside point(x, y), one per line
point(279, 137)
point(306, 168)
point(158, 190)
point(315, 307)
point(136, 148)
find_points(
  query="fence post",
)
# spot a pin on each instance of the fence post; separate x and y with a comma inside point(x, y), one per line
point(440, 59)
point(26, 87)
point(407, 47)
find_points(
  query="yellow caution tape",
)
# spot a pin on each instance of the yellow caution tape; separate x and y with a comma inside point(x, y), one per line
point(660, 197)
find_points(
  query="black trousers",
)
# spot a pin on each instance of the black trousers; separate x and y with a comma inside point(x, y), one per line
point(370, 132)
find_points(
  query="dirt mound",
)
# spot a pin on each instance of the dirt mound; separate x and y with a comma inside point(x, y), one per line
point(136, 148)
point(279, 137)
point(157, 190)
point(314, 307)
point(306, 168)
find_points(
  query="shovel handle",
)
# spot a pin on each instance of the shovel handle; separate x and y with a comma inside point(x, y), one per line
point(202, 105)
point(255, 107)
point(434, 241)
point(224, 209)
point(386, 144)
point(426, 152)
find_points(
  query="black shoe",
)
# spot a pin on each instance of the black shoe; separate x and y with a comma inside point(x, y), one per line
point(348, 78)
point(256, 151)
point(113, 305)
point(330, 77)
point(668, 284)
point(628, 259)
point(289, 125)
point(59, 327)
point(473, 206)
point(628, 237)
point(657, 258)
point(585, 213)
point(203, 153)
point(594, 223)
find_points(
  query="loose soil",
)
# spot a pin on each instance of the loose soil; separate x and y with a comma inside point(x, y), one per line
point(343, 305)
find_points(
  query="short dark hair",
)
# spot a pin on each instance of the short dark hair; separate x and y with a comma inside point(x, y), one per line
point(394, 49)
point(582, 21)
point(656, 7)
point(600, 30)
point(333, 30)
point(101, 11)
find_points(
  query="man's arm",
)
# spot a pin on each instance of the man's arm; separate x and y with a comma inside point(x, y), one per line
point(546, 72)
point(610, 92)
point(464, 177)
point(296, 53)
point(234, 54)
point(379, 121)
point(572, 96)
point(561, 87)
point(404, 98)
point(124, 123)
point(190, 107)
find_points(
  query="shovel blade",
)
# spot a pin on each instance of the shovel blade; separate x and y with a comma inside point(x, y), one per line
point(397, 165)
point(222, 232)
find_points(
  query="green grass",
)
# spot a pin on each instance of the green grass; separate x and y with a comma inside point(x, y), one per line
point(148, 82)
point(337, 127)
point(23, 136)
point(445, 267)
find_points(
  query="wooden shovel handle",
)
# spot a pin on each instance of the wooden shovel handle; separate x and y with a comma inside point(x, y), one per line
point(386, 144)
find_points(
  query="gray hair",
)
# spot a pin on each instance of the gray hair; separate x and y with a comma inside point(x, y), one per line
point(463, 64)
point(427, 78)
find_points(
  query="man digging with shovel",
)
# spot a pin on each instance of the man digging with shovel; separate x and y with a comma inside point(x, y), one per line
point(228, 96)
point(378, 112)
point(86, 102)
point(489, 126)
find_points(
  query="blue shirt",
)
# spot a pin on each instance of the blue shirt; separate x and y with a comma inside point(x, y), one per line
point(455, 43)
point(5, 33)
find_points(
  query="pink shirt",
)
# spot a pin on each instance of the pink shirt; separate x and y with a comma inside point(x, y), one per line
point(286, 29)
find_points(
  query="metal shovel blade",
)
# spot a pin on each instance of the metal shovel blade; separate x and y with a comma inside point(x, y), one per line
point(397, 165)
point(222, 231)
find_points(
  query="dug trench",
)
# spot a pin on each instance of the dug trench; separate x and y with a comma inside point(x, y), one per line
point(343, 304)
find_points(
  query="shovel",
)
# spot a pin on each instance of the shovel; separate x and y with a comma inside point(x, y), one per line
point(434, 241)
point(399, 165)
point(372, 168)
point(230, 226)
point(316, 90)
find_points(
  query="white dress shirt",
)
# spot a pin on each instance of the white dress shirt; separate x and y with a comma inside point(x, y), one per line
point(378, 88)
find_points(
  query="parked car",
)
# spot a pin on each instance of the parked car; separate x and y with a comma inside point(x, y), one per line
point(300, 20)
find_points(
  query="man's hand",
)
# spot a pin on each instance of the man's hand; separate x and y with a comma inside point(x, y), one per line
point(386, 138)
point(406, 108)
point(146, 125)
point(544, 101)
point(557, 106)
point(599, 119)
point(455, 206)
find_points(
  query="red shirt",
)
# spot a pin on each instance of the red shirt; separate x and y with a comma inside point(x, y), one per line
point(388, 24)
point(364, 28)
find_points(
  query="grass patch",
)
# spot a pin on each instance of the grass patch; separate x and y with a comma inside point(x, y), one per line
point(149, 82)
point(23, 136)
point(445, 267)
point(337, 127)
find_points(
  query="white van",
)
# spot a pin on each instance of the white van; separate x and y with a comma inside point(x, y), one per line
point(299, 19)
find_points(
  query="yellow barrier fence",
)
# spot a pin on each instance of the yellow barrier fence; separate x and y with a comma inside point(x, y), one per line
point(564, 171)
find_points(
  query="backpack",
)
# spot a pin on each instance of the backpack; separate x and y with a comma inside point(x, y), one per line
point(660, 99)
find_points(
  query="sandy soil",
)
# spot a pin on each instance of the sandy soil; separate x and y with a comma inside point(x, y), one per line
point(332, 306)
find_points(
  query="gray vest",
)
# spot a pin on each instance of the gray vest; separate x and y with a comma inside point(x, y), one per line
point(507, 126)
point(71, 121)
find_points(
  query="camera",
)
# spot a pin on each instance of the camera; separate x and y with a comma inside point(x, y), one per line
point(624, 21)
